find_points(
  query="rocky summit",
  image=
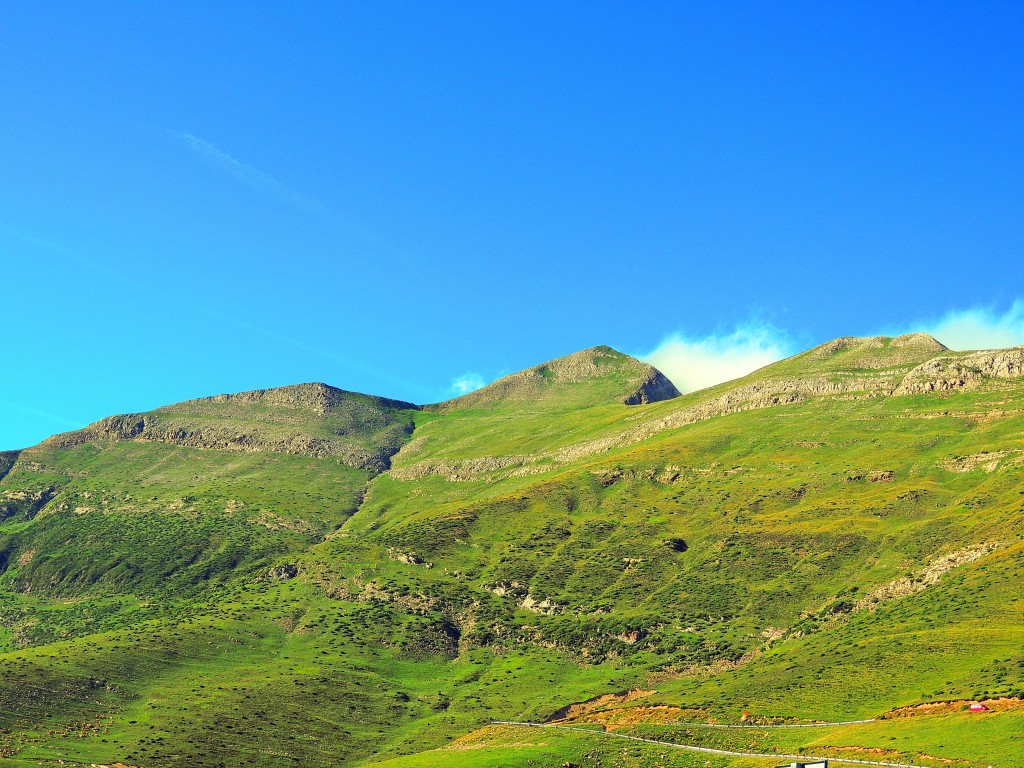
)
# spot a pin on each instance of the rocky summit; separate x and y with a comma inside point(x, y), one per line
point(820, 560)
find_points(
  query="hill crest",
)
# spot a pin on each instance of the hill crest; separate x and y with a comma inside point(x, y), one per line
point(313, 419)
point(315, 396)
point(592, 376)
point(879, 351)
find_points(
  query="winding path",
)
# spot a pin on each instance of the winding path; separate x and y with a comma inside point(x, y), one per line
point(776, 725)
point(713, 751)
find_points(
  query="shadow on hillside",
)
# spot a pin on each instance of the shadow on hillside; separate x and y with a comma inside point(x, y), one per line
point(7, 460)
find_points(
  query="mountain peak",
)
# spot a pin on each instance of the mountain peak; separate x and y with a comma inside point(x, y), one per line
point(314, 419)
point(876, 351)
point(591, 376)
point(312, 396)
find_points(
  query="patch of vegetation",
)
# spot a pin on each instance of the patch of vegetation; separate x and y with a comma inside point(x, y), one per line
point(164, 604)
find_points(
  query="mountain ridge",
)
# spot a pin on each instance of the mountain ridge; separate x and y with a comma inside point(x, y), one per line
point(648, 385)
point(314, 420)
point(836, 536)
point(629, 381)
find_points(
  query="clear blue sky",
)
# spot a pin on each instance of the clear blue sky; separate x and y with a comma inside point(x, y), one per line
point(209, 197)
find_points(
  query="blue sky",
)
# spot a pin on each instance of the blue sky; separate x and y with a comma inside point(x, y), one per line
point(409, 198)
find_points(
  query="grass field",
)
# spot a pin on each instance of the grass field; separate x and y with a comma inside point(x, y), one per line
point(799, 545)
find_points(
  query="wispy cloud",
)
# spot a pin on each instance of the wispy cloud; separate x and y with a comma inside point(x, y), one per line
point(694, 363)
point(976, 327)
point(466, 383)
point(241, 324)
point(257, 180)
point(313, 349)
point(51, 417)
point(55, 249)
point(244, 173)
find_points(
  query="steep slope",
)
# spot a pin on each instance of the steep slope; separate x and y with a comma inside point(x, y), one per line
point(773, 558)
point(7, 459)
point(169, 501)
point(494, 444)
point(827, 538)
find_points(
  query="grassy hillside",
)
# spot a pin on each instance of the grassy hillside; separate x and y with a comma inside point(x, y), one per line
point(310, 577)
point(316, 420)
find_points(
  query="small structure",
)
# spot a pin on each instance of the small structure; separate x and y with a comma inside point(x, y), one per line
point(977, 707)
point(814, 764)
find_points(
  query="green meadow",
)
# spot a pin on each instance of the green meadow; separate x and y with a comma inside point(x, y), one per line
point(310, 577)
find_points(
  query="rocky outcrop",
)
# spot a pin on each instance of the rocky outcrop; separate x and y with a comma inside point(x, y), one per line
point(7, 461)
point(987, 461)
point(506, 588)
point(123, 427)
point(930, 575)
point(545, 606)
point(24, 504)
point(283, 572)
point(407, 558)
point(521, 594)
point(457, 471)
point(943, 374)
point(316, 397)
point(655, 388)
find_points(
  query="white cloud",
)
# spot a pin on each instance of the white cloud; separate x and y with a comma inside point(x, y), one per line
point(696, 363)
point(978, 327)
point(466, 383)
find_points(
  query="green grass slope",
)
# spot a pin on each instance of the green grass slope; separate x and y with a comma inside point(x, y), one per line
point(317, 420)
point(582, 379)
point(309, 577)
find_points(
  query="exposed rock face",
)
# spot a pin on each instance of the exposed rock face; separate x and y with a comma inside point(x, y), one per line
point(879, 366)
point(509, 588)
point(408, 558)
point(987, 462)
point(7, 461)
point(467, 469)
point(24, 504)
point(545, 606)
point(317, 397)
point(656, 388)
point(149, 428)
point(930, 575)
point(871, 476)
point(962, 372)
point(283, 572)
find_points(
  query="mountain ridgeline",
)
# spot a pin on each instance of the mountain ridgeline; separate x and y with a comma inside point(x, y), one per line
point(594, 376)
point(310, 576)
point(313, 420)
